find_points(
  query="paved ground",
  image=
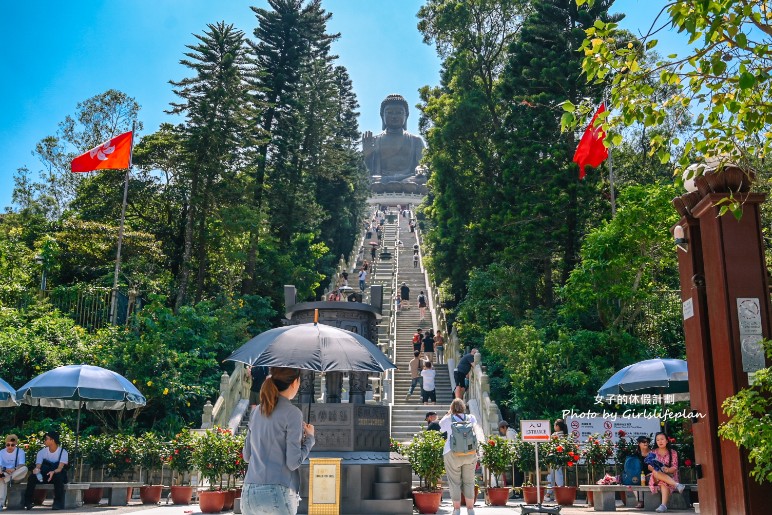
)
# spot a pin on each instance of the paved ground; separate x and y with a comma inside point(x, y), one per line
point(445, 509)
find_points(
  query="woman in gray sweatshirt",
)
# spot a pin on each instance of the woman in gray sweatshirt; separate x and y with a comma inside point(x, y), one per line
point(277, 444)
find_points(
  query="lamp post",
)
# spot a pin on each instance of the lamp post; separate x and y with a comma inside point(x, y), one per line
point(41, 260)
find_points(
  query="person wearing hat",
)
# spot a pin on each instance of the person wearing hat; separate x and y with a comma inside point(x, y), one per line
point(510, 434)
point(506, 432)
point(49, 468)
point(431, 421)
point(13, 460)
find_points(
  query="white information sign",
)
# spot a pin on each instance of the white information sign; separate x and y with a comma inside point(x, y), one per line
point(535, 430)
point(688, 309)
point(749, 318)
point(581, 427)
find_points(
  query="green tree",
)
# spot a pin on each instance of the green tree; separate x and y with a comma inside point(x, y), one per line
point(214, 101)
point(723, 78)
point(750, 423)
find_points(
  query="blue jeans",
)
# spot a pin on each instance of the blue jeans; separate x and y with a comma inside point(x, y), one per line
point(362, 285)
point(268, 500)
point(415, 382)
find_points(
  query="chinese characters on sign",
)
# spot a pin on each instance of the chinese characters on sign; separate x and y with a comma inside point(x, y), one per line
point(535, 430)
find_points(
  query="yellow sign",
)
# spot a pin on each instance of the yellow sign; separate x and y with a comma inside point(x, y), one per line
point(324, 486)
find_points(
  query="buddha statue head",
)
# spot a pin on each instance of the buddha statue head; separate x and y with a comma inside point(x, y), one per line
point(394, 112)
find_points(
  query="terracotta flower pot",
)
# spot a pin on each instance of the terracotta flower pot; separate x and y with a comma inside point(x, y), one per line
point(182, 494)
point(427, 502)
point(129, 493)
point(211, 501)
point(529, 494)
point(39, 496)
point(150, 494)
point(564, 495)
point(498, 496)
point(92, 496)
point(230, 496)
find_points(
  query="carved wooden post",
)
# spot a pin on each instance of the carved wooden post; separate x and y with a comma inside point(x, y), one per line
point(723, 327)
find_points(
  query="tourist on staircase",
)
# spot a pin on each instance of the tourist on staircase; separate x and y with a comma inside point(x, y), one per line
point(404, 291)
point(421, 306)
point(428, 389)
point(439, 347)
point(415, 372)
point(428, 345)
point(462, 370)
point(418, 340)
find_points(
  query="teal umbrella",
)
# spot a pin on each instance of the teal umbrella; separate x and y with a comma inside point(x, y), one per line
point(652, 376)
point(7, 395)
point(81, 386)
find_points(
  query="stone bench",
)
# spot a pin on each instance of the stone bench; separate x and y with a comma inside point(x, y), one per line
point(73, 494)
point(604, 497)
point(117, 492)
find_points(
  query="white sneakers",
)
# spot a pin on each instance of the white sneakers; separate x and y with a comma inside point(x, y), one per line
point(662, 509)
point(680, 488)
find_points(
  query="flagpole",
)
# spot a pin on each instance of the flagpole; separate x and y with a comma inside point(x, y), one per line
point(610, 166)
point(114, 300)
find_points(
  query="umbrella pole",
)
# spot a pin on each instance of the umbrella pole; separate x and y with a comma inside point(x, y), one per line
point(77, 442)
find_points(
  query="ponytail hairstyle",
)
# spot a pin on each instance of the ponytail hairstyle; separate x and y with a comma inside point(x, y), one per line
point(277, 381)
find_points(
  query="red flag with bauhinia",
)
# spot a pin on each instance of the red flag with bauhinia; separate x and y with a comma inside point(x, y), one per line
point(110, 155)
point(591, 150)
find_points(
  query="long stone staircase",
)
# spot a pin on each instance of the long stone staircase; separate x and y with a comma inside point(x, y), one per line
point(407, 416)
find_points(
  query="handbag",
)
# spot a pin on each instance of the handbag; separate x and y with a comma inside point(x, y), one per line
point(50, 466)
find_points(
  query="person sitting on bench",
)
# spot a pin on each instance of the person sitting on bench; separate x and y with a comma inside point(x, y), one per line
point(49, 468)
point(12, 461)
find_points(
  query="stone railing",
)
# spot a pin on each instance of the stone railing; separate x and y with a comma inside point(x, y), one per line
point(234, 389)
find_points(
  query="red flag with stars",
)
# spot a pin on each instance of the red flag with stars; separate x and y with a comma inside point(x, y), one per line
point(591, 150)
point(114, 154)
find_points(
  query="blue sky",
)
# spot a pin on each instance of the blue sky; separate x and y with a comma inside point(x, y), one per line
point(57, 54)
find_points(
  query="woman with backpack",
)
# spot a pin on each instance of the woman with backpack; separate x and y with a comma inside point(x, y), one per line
point(460, 454)
point(422, 306)
point(640, 454)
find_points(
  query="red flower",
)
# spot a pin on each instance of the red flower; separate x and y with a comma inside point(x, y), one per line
point(570, 464)
point(570, 453)
point(671, 440)
point(688, 462)
point(492, 443)
point(559, 448)
point(576, 457)
point(621, 433)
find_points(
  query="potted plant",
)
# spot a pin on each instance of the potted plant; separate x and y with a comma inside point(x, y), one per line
point(498, 455)
point(559, 452)
point(210, 457)
point(95, 450)
point(150, 451)
point(424, 453)
point(524, 458)
point(181, 462)
point(235, 467)
point(122, 459)
point(596, 452)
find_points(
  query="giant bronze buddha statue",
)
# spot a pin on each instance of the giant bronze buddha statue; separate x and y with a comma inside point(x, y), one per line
point(393, 155)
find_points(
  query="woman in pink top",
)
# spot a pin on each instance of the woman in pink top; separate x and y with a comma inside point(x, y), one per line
point(666, 478)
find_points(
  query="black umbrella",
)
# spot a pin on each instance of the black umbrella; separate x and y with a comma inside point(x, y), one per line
point(317, 347)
